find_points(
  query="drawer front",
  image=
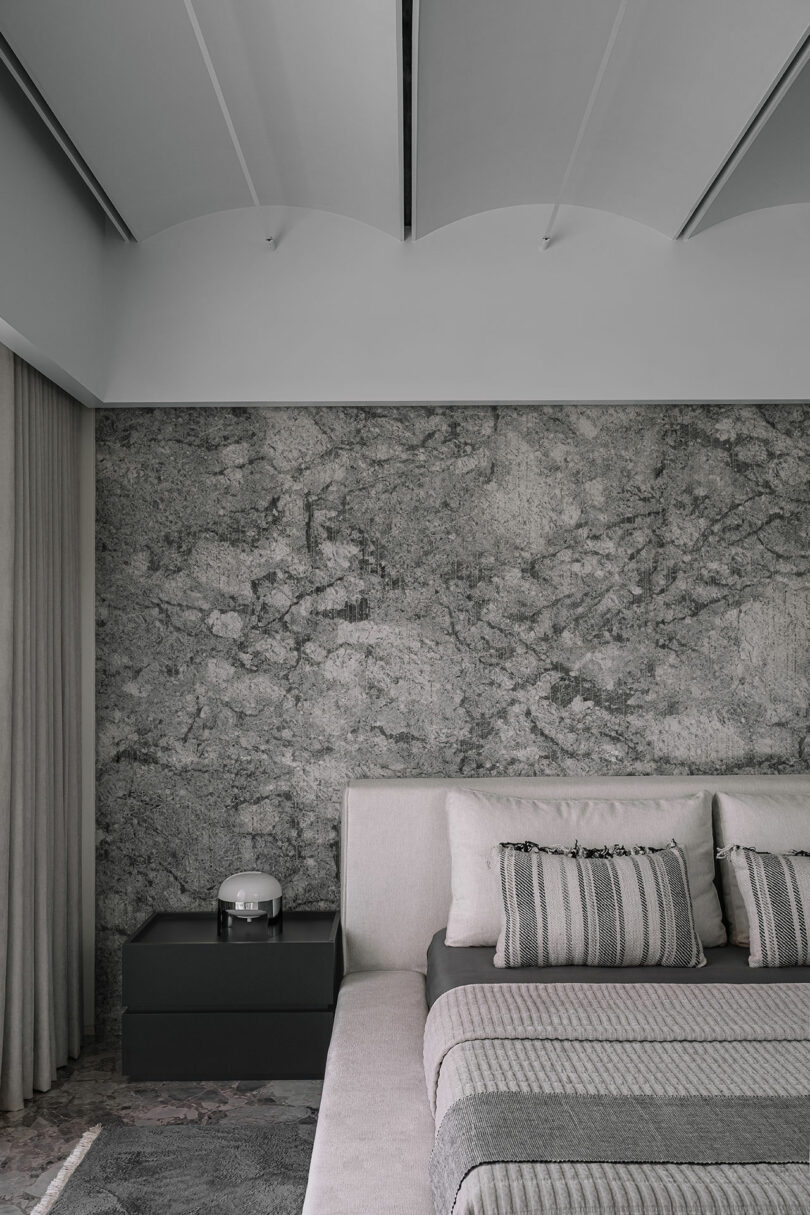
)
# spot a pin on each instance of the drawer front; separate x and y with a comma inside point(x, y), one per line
point(225, 1045)
point(165, 978)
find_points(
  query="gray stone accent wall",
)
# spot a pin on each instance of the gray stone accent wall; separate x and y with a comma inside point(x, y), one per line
point(288, 598)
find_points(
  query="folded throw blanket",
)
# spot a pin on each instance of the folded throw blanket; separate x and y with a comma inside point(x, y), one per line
point(645, 1098)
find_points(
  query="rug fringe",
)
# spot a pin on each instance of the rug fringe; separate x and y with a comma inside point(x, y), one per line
point(67, 1170)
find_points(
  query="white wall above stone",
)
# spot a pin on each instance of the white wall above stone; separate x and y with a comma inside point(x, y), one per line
point(612, 311)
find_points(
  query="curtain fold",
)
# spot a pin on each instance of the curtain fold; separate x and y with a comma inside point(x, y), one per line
point(40, 709)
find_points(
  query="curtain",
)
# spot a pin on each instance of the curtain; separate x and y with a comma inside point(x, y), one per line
point(40, 706)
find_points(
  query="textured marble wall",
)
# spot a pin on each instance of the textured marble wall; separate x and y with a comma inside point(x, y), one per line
point(288, 598)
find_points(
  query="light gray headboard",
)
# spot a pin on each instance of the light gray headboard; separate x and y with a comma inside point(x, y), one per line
point(395, 861)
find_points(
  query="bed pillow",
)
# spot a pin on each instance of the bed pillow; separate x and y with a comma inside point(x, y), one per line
point(478, 822)
point(774, 822)
point(619, 908)
point(776, 892)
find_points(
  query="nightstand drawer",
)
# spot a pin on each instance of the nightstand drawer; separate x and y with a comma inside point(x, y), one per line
point(176, 963)
point(225, 1045)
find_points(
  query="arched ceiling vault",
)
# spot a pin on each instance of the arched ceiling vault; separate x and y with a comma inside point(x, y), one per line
point(671, 114)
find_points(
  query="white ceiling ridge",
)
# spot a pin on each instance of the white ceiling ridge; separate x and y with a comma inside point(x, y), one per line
point(226, 113)
point(586, 117)
point(798, 60)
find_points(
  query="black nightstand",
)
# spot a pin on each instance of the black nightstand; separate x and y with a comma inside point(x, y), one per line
point(253, 1007)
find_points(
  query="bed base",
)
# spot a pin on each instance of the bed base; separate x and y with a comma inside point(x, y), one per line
point(375, 1130)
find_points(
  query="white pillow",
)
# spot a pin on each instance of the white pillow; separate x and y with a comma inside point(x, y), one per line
point(479, 822)
point(766, 822)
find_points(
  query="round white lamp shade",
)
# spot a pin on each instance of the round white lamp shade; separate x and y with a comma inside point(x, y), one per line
point(248, 896)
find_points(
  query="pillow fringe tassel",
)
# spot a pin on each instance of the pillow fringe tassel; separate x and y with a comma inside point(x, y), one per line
point(67, 1170)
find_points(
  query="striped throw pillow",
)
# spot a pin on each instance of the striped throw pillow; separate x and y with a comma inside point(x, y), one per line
point(596, 907)
point(775, 889)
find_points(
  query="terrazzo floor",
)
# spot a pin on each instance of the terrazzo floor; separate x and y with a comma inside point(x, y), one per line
point(35, 1141)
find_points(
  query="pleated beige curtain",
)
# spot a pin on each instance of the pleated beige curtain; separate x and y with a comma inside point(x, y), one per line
point(40, 707)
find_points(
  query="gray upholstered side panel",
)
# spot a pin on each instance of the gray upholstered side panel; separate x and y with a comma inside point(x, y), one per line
point(375, 1129)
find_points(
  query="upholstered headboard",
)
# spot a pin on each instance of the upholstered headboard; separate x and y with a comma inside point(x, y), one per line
point(395, 861)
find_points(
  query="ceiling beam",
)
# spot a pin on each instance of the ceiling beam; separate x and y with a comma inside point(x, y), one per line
point(779, 89)
point(414, 114)
point(36, 99)
point(404, 107)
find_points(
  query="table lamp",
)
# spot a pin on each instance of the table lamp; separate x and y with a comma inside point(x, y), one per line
point(249, 896)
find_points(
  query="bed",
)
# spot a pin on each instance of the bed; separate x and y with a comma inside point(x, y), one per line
point(387, 1074)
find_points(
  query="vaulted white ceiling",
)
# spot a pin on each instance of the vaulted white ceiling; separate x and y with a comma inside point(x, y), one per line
point(776, 167)
point(312, 88)
point(644, 108)
point(502, 90)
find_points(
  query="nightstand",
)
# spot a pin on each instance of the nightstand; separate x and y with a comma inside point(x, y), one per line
point(252, 1007)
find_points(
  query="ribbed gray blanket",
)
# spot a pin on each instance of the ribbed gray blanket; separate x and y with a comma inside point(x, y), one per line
point(630, 1100)
point(538, 1127)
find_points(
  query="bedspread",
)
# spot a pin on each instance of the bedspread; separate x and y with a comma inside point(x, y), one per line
point(586, 1100)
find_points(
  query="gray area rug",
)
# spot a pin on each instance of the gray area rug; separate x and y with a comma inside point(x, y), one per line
point(191, 1170)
